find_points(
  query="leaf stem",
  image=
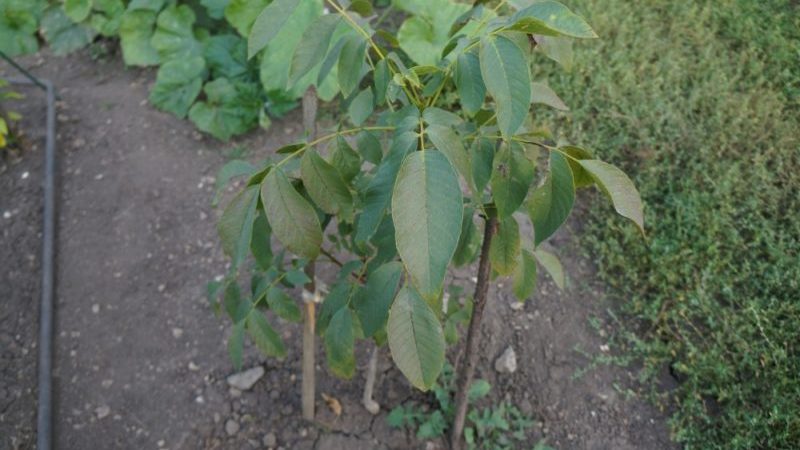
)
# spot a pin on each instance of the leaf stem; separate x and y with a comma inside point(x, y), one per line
point(330, 136)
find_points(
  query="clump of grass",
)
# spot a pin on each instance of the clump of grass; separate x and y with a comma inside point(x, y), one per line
point(701, 101)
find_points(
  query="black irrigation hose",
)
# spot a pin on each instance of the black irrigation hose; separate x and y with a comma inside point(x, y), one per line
point(44, 417)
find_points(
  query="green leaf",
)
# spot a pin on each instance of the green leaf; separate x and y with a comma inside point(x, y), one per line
point(283, 305)
point(174, 36)
point(438, 116)
point(580, 175)
point(242, 13)
point(369, 146)
point(512, 175)
point(416, 340)
point(77, 10)
point(541, 93)
point(427, 210)
point(556, 48)
point(619, 188)
point(478, 389)
point(337, 298)
point(19, 22)
point(470, 240)
point(469, 82)
point(232, 169)
point(507, 78)
point(229, 109)
point(236, 345)
point(215, 8)
point(339, 343)
point(482, 156)
point(373, 302)
point(351, 61)
point(265, 338)
point(524, 276)
point(135, 33)
point(312, 47)
point(268, 23)
point(149, 5)
point(552, 266)
point(378, 193)
point(226, 56)
point(361, 107)
point(505, 248)
point(330, 60)
point(346, 160)
point(325, 185)
point(235, 227)
point(424, 35)
point(551, 18)
point(178, 84)
point(107, 17)
point(550, 204)
point(63, 35)
point(448, 142)
point(260, 245)
point(382, 77)
point(293, 220)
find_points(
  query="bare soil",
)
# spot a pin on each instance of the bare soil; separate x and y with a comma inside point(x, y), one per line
point(140, 358)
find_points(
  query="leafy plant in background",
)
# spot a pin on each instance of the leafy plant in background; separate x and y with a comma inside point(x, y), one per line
point(7, 117)
point(443, 135)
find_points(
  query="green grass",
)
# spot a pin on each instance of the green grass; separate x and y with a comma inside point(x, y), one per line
point(700, 102)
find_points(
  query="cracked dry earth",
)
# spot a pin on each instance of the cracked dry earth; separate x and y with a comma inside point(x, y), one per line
point(140, 360)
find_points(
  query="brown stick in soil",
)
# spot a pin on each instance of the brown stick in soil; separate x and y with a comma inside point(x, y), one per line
point(308, 396)
point(471, 350)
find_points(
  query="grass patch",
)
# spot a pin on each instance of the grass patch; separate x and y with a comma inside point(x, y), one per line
point(700, 102)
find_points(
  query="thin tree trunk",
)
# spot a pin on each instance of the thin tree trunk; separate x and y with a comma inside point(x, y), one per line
point(309, 325)
point(470, 358)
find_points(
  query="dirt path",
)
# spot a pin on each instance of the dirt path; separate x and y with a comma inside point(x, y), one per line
point(140, 358)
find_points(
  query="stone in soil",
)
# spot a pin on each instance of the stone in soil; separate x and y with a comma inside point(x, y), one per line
point(243, 381)
point(507, 362)
point(231, 427)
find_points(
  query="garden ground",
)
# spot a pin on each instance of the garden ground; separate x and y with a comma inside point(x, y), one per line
point(140, 358)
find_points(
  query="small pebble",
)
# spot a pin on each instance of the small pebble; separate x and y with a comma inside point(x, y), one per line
point(270, 440)
point(231, 427)
point(102, 411)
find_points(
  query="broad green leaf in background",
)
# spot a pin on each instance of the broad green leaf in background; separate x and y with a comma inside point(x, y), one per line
point(265, 338)
point(378, 193)
point(226, 56)
point(351, 61)
point(325, 185)
point(524, 276)
point(541, 93)
point(438, 116)
point(470, 240)
point(293, 220)
point(107, 17)
point(504, 251)
point(338, 298)
point(551, 265)
point(77, 10)
point(283, 305)
point(260, 245)
point(150, 5)
point(382, 76)
point(373, 302)
point(581, 176)
point(427, 210)
point(424, 35)
point(235, 227)
point(135, 34)
point(178, 84)
point(19, 22)
point(312, 47)
point(507, 77)
point(551, 18)
point(469, 82)
point(361, 107)
point(63, 35)
point(416, 339)
point(619, 188)
point(482, 156)
point(269, 23)
point(346, 160)
point(242, 13)
point(512, 175)
point(230, 108)
point(550, 204)
point(369, 147)
point(215, 8)
point(174, 36)
point(339, 344)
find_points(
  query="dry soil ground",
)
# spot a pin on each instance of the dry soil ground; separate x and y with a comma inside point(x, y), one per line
point(140, 359)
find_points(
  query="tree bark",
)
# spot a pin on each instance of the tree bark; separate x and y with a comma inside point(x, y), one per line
point(308, 397)
point(471, 354)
